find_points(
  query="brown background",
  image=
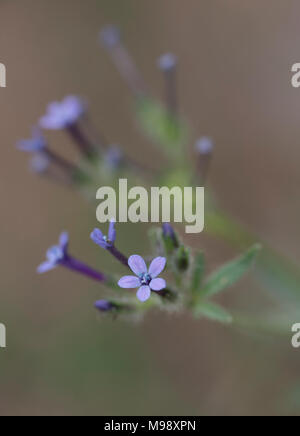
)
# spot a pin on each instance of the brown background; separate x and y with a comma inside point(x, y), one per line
point(234, 85)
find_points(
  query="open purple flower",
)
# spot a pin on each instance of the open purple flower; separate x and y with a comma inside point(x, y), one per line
point(55, 255)
point(58, 256)
point(61, 115)
point(37, 142)
point(146, 280)
point(103, 240)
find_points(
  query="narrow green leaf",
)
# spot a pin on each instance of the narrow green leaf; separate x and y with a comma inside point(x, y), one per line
point(198, 272)
point(213, 312)
point(230, 273)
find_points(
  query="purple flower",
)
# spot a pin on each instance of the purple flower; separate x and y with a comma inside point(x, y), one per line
point(113, 157)
point(39, 163)
point(146, 280)
point(204, 145)
point(167, 62)
point(35, 144)
point(63, 114)
point(108, 241)
point(110, 36)
point(56, 254)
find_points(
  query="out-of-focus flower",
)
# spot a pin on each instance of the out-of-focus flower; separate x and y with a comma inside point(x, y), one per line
point(35, 144)
point(110, 36)
point(104, 241)
point(55, 255)
point(39, 163)
point(105, 305)
point(61, 115)
point(167, 62)
point(113, 157)
point(169, 233)
point(204, 145)
point(146, 280)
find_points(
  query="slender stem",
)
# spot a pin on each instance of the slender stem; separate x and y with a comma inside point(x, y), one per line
point(128, 69)
point(81, 268)
point(204, 163)
point(84, 145)
point(60, 161)
point(171, 92)
point(119, 256)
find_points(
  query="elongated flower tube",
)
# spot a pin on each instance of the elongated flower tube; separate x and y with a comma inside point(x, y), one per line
point(58, 256)
point(111, 39)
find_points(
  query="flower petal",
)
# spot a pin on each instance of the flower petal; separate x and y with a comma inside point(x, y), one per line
point(44, 267)
point(129, 282)
point(137, 264)
point(64, 241)
point(112, 231)
point(157, 266)
point(97, 237)
point(158, 284)
point(143, 293)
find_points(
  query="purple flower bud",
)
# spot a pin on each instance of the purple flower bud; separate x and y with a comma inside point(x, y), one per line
point(113, 157)
point(63, 114)
point(167, 62)
point(110, 36)
point(204, 145)
point(35, 144)
point(105, 305)
point(169, 232)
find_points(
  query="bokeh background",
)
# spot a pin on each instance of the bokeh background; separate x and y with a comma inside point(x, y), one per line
point(234, 85)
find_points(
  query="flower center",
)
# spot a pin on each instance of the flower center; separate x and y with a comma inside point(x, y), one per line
point(145, 279)
point(55, 254)
point(107, 240)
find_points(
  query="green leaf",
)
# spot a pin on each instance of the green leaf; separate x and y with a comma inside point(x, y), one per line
point(213, 312)
point(230, 273)
point(198, 272)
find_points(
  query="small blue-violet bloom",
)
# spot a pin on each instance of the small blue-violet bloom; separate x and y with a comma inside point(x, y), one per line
point(56, 254)
point(146, 280)
point(61, 115)
point(204, 145)
point(39, 163)
point(167, 62)
point(110, 36)
point(37, 143)
point(103, 240)
point(113, 157)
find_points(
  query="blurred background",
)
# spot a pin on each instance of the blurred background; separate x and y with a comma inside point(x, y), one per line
point(234, 85)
